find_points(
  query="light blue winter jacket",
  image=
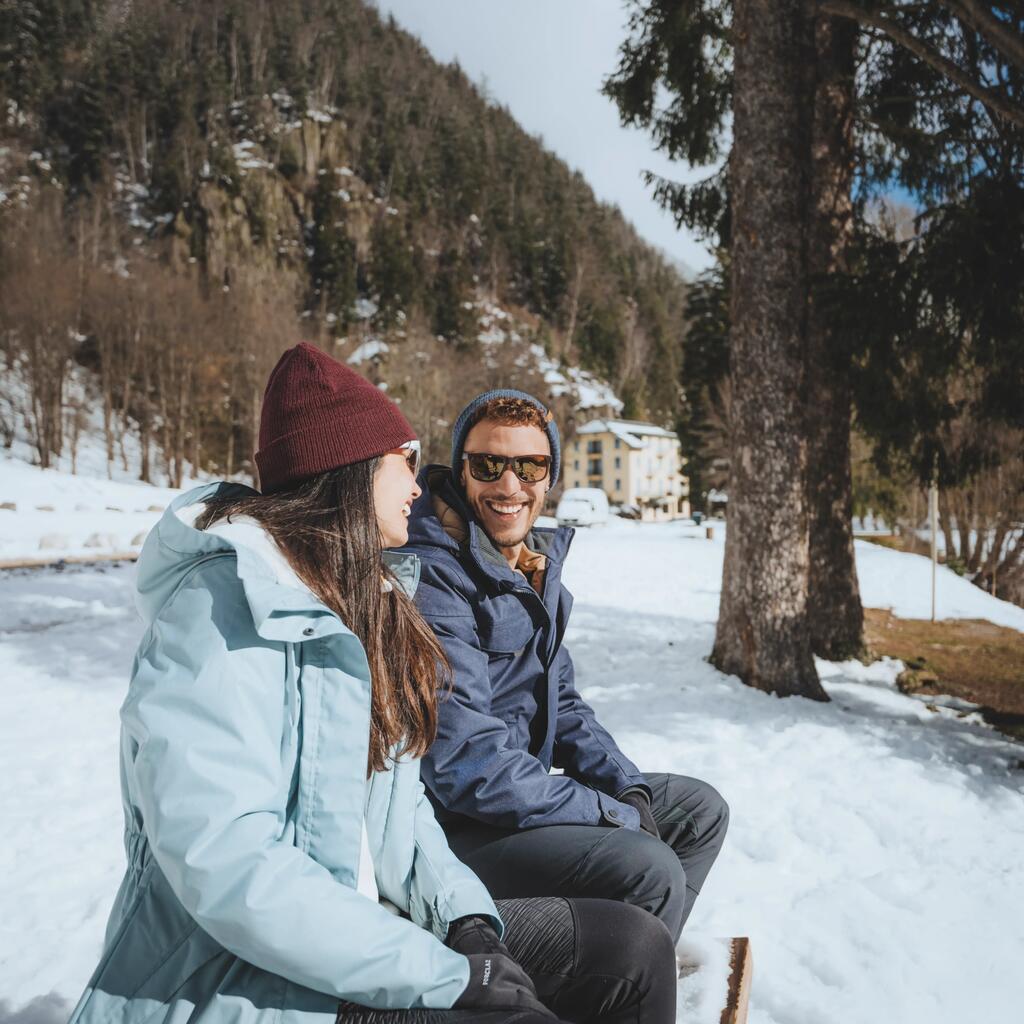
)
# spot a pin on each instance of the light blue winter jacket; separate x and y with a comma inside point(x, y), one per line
point(243, 769)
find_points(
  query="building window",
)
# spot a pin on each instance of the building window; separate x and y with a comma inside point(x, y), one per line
point(575, 446)
point(618, 484)
point(593, 467)
point(594, 447)
point(618, 462)
point(617, 443)
point(576, 463)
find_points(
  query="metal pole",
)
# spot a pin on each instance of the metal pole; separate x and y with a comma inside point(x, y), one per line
point(933, 512)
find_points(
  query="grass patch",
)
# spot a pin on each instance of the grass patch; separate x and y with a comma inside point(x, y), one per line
point(885, 540)
point(967, 658)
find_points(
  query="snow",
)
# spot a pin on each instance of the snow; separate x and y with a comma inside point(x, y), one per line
point(586, 390)
point(904, 585)
point(364, 308)
point(246, 159)
point(874, 852)
point(59, 513)
point(372, 349)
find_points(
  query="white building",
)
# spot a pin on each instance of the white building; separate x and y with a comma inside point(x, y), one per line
point(634, 463)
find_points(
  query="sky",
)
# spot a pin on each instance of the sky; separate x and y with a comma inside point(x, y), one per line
point(545, 60)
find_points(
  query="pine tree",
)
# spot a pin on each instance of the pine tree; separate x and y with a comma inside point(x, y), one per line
point(393, 273)
point(454, 318)
point(927, 115)
point(332, 263)
point(705, 368)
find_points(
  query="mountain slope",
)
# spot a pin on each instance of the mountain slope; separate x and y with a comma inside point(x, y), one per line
point(227, 166)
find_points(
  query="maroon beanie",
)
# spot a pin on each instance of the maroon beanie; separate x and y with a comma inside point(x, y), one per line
point(318, 415)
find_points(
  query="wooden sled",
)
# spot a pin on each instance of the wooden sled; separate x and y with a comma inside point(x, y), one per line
point(734, 995)
point(741, 972)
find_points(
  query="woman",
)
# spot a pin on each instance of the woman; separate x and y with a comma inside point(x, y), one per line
point(283, 862)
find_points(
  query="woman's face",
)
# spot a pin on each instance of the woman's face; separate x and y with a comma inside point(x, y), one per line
point(394, 491)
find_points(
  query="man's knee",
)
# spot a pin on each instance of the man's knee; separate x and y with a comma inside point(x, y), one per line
point(684, 799)
point(635, 865)
point(714, 808)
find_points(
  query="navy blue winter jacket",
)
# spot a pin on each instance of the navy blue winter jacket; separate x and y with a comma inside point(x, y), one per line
point(514, 712)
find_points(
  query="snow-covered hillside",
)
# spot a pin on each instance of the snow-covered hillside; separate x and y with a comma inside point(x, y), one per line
point(874, 853)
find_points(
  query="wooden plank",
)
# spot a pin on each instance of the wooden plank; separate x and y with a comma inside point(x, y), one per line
point(54, 562)
point(741, 971)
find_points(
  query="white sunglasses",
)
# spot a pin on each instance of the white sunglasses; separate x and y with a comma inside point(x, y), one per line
point(413, 454)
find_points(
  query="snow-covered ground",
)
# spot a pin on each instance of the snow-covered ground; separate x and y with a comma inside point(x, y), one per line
point(57, 513)
point(874, 856)
point(100, 508)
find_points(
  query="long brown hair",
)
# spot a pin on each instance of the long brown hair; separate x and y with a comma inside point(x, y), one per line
point(326, 527)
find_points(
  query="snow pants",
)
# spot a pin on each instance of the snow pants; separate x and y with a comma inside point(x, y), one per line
point(590, 960)
point(664, 876)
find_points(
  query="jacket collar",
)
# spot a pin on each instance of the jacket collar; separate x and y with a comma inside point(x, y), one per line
point(456, 530)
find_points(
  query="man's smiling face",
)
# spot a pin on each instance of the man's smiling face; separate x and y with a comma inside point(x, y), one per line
point(507, 508)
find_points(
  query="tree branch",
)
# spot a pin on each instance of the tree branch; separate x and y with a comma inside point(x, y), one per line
point(1009, 43)
point(993, 101)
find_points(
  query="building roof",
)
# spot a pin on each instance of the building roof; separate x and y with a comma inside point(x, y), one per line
point(628, 431)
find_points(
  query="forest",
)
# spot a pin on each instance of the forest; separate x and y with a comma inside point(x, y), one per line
point(188, 188)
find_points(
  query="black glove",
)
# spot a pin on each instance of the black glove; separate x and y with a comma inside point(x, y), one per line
point(496, 981)
point(469, 935)
point(642, 802)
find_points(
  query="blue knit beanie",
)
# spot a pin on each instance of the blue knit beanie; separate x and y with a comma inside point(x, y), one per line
point(465, 422)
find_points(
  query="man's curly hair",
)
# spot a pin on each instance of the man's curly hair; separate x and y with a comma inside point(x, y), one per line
point(512, 412)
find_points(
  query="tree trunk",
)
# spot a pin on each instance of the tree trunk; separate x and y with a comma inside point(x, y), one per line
point(197, 427)
point(763, 632)
point(979, 532)
point(946, 523)
point(254, 434)
point(230, 468)
point(995, 554)
point(574, 308)
point(834, 610)
point(963, 528)
point(108, 422)
point(145, 422)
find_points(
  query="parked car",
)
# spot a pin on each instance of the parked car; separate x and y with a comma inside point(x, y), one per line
point(582, 506)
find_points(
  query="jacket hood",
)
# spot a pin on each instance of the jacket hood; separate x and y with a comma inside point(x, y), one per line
point(441, 518)
point(282, 606)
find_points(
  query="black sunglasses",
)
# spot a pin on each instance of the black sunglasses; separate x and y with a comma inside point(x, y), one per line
point(487, 468)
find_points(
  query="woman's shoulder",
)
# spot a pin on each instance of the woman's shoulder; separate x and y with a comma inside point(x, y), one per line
point(211, 597)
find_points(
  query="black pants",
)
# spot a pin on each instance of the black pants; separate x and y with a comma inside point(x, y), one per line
point(591, 960)
point(662, 876)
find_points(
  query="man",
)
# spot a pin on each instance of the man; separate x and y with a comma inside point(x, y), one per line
point(490, 589)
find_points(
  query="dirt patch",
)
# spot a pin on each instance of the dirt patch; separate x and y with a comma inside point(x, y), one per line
point(967, 658)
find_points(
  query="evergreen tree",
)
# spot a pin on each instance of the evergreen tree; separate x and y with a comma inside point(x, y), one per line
point(704, 374)
point(332, 263)
point(454, 318)
point(934, 93)
point(393, 268)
